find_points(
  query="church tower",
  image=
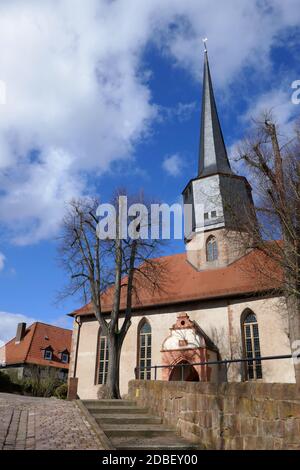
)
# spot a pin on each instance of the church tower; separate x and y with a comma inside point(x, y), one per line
point(220, 201)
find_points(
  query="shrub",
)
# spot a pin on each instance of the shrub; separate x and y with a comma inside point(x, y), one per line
point(5, 382)
point(7, 385)
point(36, 382)
point(40, 387)
point(61, 391)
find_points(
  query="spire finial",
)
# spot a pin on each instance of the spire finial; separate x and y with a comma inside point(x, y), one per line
point(204, 43)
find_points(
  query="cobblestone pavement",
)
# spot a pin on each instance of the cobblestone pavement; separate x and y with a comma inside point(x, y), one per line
point(43, 423)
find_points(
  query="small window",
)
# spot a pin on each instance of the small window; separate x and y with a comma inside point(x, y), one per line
point(48, 354)
point(65, 357)
point(213, 214)
point(205, 215)
point(211, 249)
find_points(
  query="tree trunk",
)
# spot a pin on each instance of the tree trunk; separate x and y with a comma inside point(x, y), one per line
point(293, 306)
point(113, 373)
point(291, 273)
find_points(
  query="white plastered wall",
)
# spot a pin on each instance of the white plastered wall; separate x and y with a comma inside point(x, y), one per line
point(220, 320)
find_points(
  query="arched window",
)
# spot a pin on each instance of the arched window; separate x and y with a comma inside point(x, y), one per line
point(144, 350)
point(251, 344)
point(211, 249)
point(102, 360)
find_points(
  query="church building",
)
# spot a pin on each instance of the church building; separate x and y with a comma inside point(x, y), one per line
point(213, 307)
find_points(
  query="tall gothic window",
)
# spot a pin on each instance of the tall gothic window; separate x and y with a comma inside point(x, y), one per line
point(144, 357)
point(251, 345)
point(102, 360)
point(211, 249)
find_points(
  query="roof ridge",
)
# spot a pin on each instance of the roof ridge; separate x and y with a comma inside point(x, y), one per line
point(55, 326)
point(169, 256)
point(34, 325)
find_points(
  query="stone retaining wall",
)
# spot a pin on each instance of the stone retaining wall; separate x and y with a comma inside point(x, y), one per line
point(226, 416)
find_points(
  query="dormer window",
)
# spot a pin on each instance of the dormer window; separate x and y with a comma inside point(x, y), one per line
point(64, 357)
point(48, 354)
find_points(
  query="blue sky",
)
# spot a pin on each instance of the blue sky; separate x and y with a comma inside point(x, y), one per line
point(103, 94)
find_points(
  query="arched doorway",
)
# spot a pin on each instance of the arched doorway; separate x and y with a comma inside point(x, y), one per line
point(188, 374)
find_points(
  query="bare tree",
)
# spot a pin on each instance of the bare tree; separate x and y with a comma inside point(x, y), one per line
point(274, 169)
point(116, 269)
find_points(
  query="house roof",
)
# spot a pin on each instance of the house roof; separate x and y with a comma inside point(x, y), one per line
point(185, 284)
point(37, 338)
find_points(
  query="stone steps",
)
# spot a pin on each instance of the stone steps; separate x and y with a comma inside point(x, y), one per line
point(141, 430)
point(152, 443)
point(130, 427)
point(126, 418)
point(108, 402)
point(116, 410)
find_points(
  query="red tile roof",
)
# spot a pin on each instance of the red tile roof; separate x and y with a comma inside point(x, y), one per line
point(31, 347)
point(185, 283)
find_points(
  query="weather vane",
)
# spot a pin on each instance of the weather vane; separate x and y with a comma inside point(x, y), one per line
point(204, 43)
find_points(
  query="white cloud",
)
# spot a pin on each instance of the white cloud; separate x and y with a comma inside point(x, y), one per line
point(63, 322)
point(182, 111)
point(279, 103)
point(173, 164)
point(2, 261)
point(34, 206)
point(74, 95)
point(77, 92)
point(8, 324)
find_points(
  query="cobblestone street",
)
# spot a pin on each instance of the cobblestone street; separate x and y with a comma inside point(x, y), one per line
point(43, 423)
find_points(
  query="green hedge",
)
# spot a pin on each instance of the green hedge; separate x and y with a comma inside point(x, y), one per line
point(61, 391)
point(34, 386)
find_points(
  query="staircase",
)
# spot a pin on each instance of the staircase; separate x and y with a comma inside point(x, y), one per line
point(130, 427)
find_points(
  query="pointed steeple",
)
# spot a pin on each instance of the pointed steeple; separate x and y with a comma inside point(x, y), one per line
point(220, 201)
point(212, 153)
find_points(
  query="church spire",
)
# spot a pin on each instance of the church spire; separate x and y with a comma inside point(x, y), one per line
point(212, 153)
point(220, 201)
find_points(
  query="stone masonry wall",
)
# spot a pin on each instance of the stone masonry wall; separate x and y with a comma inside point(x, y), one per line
point(226, 416)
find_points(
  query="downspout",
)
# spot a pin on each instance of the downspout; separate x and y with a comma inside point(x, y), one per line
point(79, 323)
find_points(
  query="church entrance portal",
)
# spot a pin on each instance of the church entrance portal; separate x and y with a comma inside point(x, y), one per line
point(187, 373)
